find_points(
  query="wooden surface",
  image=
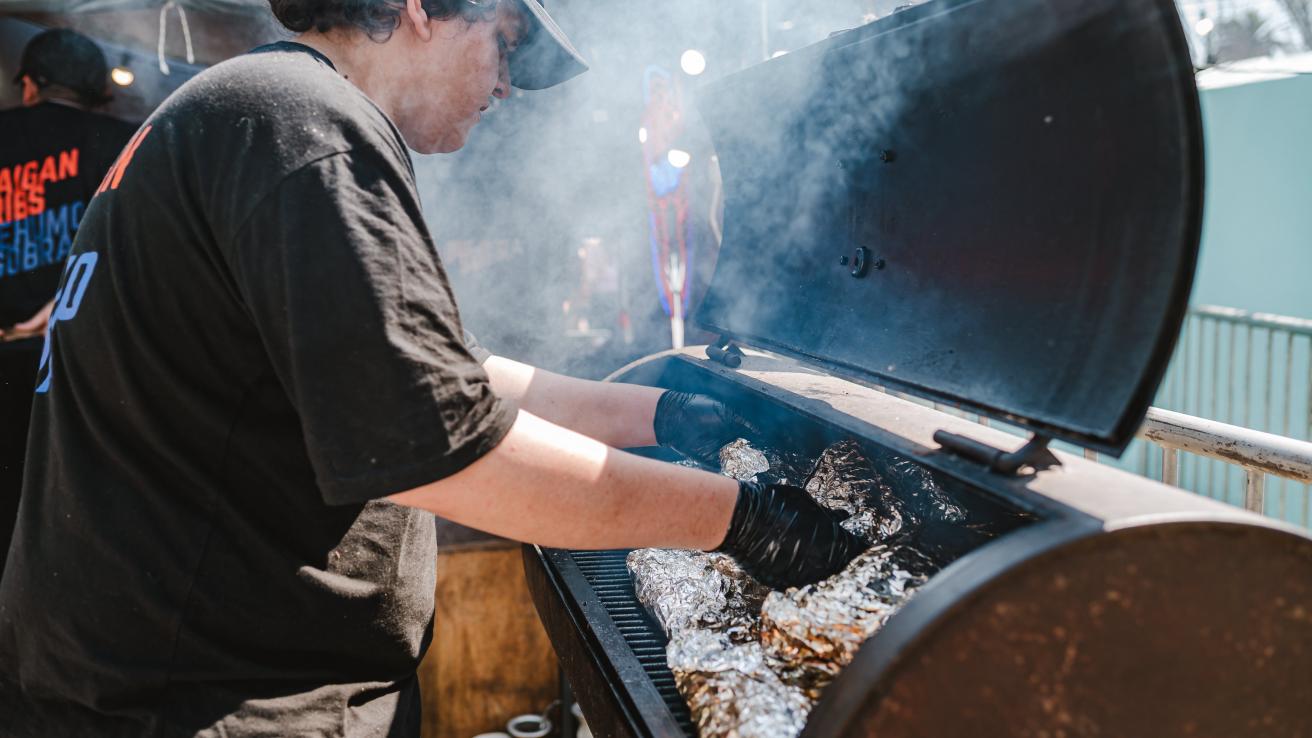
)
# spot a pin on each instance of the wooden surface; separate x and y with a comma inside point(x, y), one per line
point(490, 659)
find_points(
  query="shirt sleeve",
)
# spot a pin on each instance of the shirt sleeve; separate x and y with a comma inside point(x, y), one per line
point(353, 306)
point(480, 354)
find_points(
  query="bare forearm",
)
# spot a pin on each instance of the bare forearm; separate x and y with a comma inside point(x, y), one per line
point(548, 485)
point(618, 415)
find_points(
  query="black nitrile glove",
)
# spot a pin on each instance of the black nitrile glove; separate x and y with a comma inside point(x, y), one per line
point(784, 538)
point(698, 426)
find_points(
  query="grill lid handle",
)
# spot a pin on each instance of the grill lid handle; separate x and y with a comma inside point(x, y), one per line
point(1034, 454)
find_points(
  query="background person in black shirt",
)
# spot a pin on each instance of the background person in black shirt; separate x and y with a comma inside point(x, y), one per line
point(53, 153)
point(256, 393)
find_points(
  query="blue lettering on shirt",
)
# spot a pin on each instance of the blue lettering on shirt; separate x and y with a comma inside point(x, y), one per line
point(39, 240)
point(77, 276)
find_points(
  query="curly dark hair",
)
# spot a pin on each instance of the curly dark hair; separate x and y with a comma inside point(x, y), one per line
point(378, 18)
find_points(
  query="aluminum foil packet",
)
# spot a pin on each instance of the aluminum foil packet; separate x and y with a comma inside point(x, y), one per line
point(742, 462)
point(924, 493)
point(750, 661)
point(815, 631)
point(731, 690)
point(844, 480)
point(690, 590)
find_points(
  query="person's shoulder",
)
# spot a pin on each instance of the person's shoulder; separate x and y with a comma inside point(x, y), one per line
point(43, 114)
point(291, 96)
point(58, 110)
point(52, 123)
point(14, 113)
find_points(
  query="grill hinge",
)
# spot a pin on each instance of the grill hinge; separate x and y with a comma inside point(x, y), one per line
point(1034, 454)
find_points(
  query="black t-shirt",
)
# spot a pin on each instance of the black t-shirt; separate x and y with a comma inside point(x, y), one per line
point(254, 340)
point(52, 158)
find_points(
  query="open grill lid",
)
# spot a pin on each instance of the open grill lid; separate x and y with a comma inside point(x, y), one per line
point(991, 203)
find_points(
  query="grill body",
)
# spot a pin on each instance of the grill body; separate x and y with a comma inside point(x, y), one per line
point(610, 649)
point(995, 205)
point(1076, 601)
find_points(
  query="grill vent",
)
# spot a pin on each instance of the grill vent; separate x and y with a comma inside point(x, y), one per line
point(609, 576)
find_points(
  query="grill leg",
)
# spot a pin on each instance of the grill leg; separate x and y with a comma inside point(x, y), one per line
point(568, 728)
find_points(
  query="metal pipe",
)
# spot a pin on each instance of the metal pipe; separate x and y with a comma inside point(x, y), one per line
point(1230, 415)
point(1255, 491)
point(1248, 375)
point(1215, 412)
point(1171, 466)
point(1288, 411)
point(1283, 457)
point(1302, 326)
point(1196, 475)
point(1308, 435)
point(1184, 365)
point(1270, 362)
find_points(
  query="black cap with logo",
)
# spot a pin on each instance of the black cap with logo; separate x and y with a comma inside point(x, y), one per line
point(68, 59)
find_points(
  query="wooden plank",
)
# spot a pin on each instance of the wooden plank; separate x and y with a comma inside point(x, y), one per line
point(490, 659)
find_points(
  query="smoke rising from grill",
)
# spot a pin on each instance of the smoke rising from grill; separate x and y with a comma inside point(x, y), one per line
point(552, 185)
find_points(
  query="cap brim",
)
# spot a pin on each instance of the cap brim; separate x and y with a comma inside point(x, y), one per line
point(545, 57)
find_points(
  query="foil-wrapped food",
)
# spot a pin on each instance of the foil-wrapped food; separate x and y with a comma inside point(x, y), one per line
point(924, 492)
point(731, 688)
point(742, 462)
point(815, 631)
point(751, 662)
point(845, 481)
point(694, 591)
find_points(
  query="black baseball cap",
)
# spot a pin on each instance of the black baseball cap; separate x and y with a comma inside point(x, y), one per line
point(68, 59)
point(545, 57)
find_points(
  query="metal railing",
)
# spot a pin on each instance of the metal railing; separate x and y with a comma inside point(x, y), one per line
point(1234, 374)
point(1258, 454)
point(1234, 408)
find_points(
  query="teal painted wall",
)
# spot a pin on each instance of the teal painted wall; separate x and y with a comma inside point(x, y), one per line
point(1256, 255)
point(1257, 226)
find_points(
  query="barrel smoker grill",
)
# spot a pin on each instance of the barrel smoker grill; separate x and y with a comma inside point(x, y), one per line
point(994, 204)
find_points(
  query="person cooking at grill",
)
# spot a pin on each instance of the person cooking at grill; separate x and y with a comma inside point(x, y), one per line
point(255, 394)
point(53, 153)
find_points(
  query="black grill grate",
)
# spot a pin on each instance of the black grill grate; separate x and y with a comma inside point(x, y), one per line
point(609, 577)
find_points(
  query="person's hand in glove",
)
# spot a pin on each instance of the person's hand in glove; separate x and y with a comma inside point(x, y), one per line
point(698, 426)
point(784, 538)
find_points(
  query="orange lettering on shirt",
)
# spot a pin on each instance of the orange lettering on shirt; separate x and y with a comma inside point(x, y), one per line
point(48, 171)
point(9, 192)
point(23, 186)
point(29, 197)
point(115, 173)
point(68, 164)
point(127, 157)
